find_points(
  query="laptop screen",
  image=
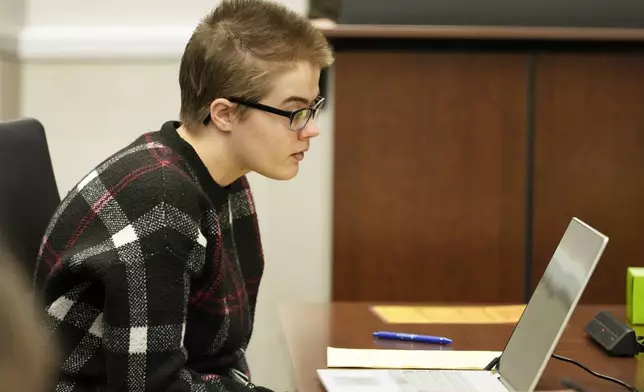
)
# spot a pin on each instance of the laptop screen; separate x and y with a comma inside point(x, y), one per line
point(551, 305)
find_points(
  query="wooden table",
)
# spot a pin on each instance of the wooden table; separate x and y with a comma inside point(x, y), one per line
point(310, 328)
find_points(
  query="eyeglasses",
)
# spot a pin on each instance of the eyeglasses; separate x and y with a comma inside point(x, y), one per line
point(297, 118)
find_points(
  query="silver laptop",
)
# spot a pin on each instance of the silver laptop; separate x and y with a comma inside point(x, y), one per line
point(529, 348)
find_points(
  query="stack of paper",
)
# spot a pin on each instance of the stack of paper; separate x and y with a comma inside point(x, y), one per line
point(449, 314)
point(408, 359)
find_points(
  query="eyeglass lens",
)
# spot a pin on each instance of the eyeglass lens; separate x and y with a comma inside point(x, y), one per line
point(302, 117)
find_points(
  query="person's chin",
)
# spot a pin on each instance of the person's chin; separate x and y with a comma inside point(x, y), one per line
point(282, 173)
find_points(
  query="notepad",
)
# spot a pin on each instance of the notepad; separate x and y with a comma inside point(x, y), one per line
point(449, 314)
point(408, 359)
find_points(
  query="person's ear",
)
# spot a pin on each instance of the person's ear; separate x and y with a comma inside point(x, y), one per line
point(223, 114)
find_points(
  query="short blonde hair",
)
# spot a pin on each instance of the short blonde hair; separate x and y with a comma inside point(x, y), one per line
point(239, 48)
point(27, 356)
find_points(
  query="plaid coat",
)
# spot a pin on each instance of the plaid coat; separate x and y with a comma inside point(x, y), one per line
point(149, 271)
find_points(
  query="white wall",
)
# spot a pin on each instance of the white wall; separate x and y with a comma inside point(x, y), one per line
point(112, 13)
point(97, 89)
point(12, 14)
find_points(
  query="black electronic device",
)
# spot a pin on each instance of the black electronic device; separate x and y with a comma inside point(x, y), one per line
point(613, 335)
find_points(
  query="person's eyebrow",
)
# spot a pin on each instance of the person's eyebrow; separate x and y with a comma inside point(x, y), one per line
point(295, 98)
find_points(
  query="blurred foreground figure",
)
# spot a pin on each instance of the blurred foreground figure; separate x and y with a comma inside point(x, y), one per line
point(25, 358)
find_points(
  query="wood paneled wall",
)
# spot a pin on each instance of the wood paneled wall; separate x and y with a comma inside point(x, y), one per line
point(456, 172)
point(589, 160)
point(429, 176)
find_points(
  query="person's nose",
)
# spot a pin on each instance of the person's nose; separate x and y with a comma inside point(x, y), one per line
point(310, 131)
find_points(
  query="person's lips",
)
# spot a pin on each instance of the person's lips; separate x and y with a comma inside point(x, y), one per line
point(298, 156)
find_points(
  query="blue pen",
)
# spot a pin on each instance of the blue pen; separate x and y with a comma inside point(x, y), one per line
point(410, 337)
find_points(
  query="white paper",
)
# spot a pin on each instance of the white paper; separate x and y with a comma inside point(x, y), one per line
point(408, 359)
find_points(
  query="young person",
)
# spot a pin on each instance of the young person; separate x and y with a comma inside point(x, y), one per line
point(151, 265)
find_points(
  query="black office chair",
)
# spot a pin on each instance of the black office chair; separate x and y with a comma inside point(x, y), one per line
point(28, 191)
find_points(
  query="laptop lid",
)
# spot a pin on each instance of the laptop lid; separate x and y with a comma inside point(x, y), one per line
point(552, 303)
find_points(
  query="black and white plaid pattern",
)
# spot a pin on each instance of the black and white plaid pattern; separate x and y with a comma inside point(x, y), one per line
point(149, 271)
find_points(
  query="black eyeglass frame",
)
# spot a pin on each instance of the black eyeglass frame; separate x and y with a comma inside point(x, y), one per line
point(290, 114)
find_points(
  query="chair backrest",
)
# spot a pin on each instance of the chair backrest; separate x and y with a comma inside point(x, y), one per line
point(28, 192)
